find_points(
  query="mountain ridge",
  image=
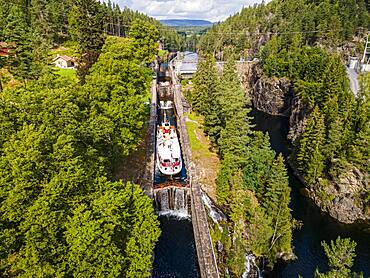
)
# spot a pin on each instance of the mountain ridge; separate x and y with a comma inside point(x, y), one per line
point(185, 22)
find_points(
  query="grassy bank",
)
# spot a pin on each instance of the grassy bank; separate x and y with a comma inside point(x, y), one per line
point(206, 161)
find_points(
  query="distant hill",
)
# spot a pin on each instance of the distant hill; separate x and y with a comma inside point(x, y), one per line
point(185, 22)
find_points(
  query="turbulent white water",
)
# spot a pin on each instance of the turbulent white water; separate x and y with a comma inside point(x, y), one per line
point(180, 215)
point(180, 200)
point(172, 203)
point(164, 200)
point(215, 214)
point(250, 263)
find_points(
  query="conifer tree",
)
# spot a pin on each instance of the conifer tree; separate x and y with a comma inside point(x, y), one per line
point(340, 254)
point(334, 140)
point(223, 180)
point(334, 80)
point(257, 163)
point(86, 28)
point(310, 156)
point(236, 133)
point(206, 97)
point(22, 61)
point(276, 203)
point(239, 207)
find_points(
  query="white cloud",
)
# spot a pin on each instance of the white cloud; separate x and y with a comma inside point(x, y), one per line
point(213, 10)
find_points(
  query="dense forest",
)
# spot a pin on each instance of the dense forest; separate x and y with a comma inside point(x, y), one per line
point(306, 44)
point(252, 185)
point(62, 213)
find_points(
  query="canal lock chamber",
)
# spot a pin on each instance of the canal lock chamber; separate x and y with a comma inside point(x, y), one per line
point(175, 252)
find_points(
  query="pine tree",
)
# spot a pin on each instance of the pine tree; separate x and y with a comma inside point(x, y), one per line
point(340, 254)
point(334, 81)
point(223, 180)
point(206, 97)
point(276, 203)
point(86, 28)
point(310, 156)
point(22, 61)
point(239, 206)
point(333, 145)
point(257, 163)
point(236, 133)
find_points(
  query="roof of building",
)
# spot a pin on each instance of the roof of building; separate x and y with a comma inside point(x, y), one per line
point(5, 48)
point(190, 57)
point(64, 57)
point(189, 63)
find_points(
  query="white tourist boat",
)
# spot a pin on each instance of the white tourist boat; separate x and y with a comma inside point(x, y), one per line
point(168, 150)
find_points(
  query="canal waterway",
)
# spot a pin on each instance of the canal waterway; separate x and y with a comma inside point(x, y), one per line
point(316, 226)
point(175, 253)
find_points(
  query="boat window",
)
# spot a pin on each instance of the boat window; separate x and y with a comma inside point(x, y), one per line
point(166, 160)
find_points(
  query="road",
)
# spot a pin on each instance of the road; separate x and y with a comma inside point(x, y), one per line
point(353, 79)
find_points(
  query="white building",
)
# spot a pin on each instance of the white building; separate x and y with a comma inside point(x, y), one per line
point(186, 64)
point(64, 62)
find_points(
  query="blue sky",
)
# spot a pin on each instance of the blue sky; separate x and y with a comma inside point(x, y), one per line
point(213, 10)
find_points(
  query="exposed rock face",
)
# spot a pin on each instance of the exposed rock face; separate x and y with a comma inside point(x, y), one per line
point(298, 118)
point(347, 191)
point(272, 96)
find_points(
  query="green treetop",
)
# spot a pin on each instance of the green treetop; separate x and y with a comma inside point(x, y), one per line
point(205, 97)
point(276, 203)
point(146, 36)
point(86, 28)
point(310, 156)
point(340, 254)
point(236, 134)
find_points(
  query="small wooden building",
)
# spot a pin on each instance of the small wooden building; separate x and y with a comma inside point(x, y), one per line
point(64, 62)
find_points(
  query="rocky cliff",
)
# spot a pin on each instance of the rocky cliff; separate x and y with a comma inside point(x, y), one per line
point(272, 96)
point(342, 196)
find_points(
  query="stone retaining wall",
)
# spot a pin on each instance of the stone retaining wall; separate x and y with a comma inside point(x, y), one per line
point(147, 181)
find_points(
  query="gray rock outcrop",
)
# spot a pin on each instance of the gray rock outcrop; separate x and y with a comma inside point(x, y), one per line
point(344, 196)
point(272, 96)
